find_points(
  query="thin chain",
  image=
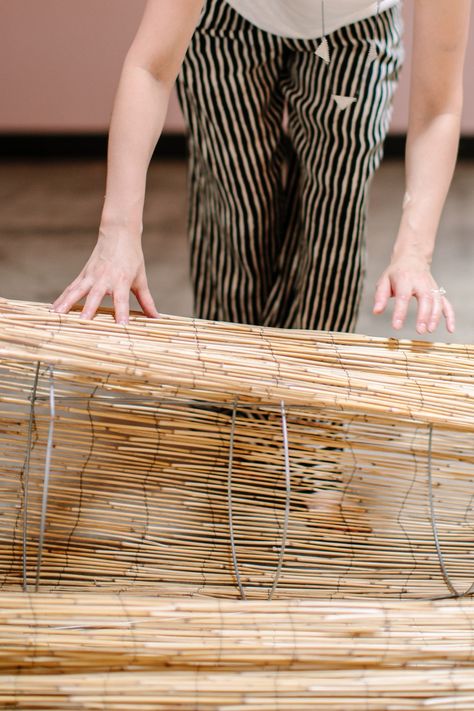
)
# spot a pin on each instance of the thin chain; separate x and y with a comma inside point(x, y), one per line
point(323, 20)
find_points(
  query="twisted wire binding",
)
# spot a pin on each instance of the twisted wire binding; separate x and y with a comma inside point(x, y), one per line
point(26, 478)
point(124, 400)
point(434, 525)
point(47, 470)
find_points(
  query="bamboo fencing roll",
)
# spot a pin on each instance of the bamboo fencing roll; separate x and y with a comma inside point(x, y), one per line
point(371, 690)
point(200, 458)
point(103, 632)
point(97, 650)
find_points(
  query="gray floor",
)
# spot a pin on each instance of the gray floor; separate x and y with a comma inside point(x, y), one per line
point(49, 215)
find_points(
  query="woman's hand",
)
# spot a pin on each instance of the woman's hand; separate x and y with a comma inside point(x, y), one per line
point(409, 275)
point(440, 36)
point(115, 267)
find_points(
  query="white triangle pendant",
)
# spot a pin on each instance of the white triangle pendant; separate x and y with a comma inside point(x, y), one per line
point(373, 52)
point(343, 101)
point(323, 51)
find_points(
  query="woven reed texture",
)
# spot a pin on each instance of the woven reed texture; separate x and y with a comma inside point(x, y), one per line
point(138, 493)
point(191, 358)
point(90, 651)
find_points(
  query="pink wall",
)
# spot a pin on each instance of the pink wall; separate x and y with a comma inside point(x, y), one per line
point(60, 62)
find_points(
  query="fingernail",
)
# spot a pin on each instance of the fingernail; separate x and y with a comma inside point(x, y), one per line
point(397, 324)
point(422, 328)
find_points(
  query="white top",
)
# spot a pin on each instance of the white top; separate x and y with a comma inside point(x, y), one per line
point(304, 18)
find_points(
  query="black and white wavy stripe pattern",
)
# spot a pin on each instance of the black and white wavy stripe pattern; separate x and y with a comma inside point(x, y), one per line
point(277, 216)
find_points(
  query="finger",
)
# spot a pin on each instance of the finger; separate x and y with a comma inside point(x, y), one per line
point(402, 298)
point(96, 294)
point(70, 297)
point(146, 301)
point(433, 322)
point(382, 295)
point(449, 314)
point(122, 304)
point(425, 308)
point(73, 285)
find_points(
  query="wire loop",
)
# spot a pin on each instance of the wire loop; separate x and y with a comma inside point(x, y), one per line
point(287, 503)
point(26, 479)
point(434, 525)
point(46, 477)
point(230, 505)
point(284, 427)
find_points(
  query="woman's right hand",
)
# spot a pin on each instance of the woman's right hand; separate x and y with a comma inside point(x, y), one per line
point(115, 267)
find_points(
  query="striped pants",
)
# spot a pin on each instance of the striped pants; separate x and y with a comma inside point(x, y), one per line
point(279, 172)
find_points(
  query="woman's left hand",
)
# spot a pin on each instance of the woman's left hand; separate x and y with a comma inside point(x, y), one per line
point(410, 276)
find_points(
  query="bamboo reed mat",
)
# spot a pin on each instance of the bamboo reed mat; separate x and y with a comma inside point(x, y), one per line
point(188, 457)
point(96, 651)
point(183, 357)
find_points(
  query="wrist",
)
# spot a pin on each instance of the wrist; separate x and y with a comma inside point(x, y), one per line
point(414, 243)
point(412, 251)
point(110, 222)
point(417, 231)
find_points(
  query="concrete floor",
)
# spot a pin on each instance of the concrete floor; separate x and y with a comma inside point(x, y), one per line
point(49, 214)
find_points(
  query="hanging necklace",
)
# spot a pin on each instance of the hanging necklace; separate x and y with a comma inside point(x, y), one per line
point(323, 48)
point(323, 52)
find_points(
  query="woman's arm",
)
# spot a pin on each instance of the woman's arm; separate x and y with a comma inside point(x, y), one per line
point(436, 97)
point(116, 265)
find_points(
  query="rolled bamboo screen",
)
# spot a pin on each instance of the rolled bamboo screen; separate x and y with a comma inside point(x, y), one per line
point(124, 652)
point(187, 457)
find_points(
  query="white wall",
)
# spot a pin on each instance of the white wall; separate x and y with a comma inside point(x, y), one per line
point(60, 61)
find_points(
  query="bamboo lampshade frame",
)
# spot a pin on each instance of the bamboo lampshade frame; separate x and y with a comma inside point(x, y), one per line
point(191, 457)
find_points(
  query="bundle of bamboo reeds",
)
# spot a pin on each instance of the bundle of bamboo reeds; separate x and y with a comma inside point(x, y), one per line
point(93, 632)
point(90, 651)
point(199, 458)
point(369, 689)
